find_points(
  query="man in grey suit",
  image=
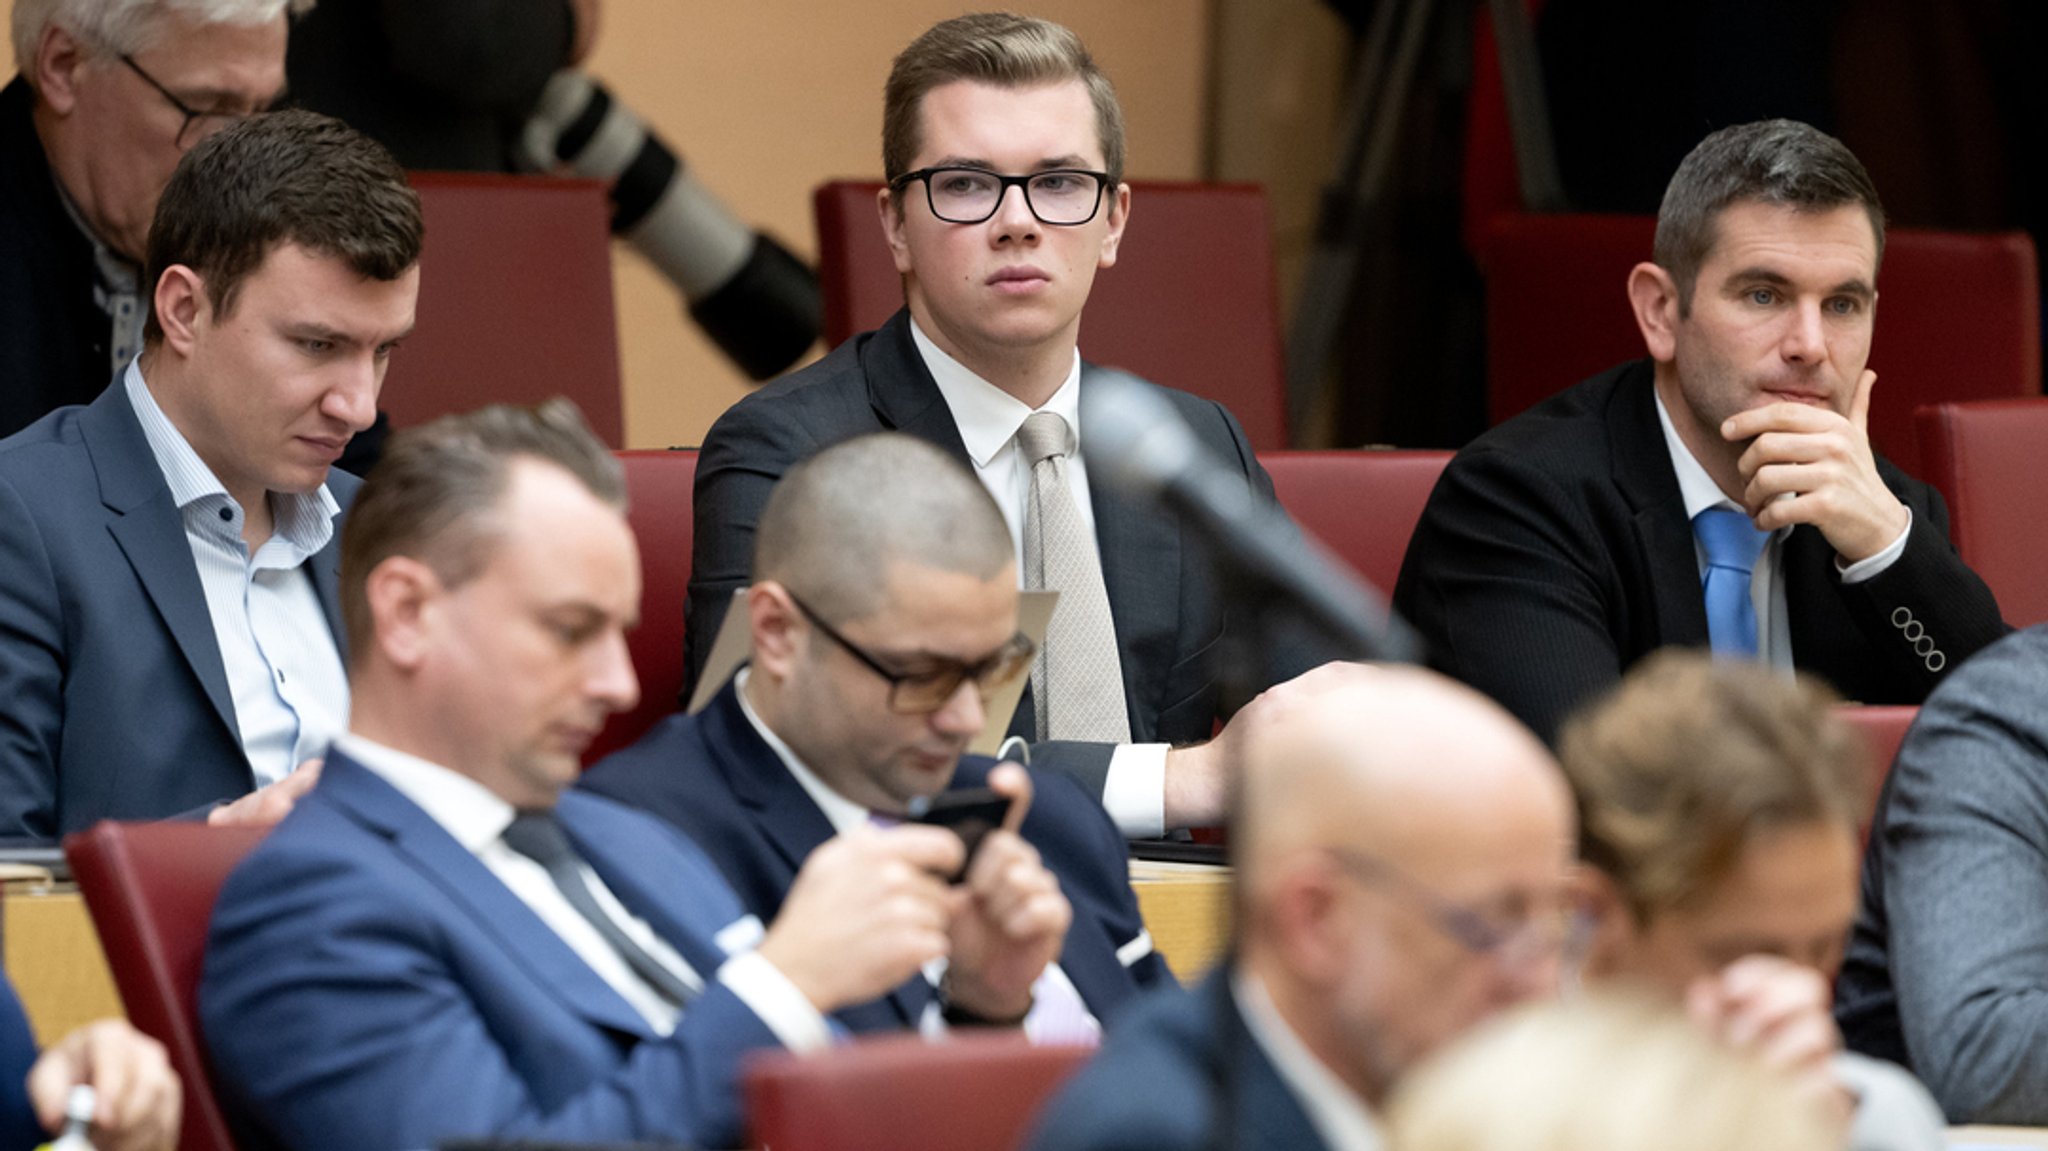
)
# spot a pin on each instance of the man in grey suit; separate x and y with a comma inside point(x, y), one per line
point(169, 634)
point(1947, 971)
point(1003, 146)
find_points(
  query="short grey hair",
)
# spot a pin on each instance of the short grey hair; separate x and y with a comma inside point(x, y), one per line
point(130, 26)
point(1779, 162)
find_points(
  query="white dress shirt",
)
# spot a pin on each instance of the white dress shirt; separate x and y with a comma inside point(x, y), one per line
point(1336, 1112)
point(284, 669)
point(1766, 580)
point(844, 815)
point(988, 418)
point(477, 818)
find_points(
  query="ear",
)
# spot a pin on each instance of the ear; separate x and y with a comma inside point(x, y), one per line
point(58, 61)
point(1119, 215)
point(772, 620)
point(404, 597)
point(1614, 924)
point(1654, 296)
point(1305, 917)
point(888, 208)
point(182, 307)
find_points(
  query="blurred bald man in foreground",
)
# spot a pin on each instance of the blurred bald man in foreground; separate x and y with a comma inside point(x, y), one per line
point(1403, 850)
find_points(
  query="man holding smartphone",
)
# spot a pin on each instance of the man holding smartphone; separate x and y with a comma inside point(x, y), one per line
point(883, 613)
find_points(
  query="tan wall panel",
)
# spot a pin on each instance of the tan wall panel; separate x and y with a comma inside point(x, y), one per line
point(767, 100)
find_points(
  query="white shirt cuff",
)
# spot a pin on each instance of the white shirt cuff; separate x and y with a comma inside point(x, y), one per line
point(1135, 792)
point(768, 992)
point(1864, 569)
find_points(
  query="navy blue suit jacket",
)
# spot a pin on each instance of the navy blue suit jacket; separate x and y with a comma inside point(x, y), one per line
point(1180, 1064)
point(1165, 592)
point(713, 776)
point(370, 984)
point(114, 701)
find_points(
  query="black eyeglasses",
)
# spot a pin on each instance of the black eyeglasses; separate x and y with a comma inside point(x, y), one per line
point(923, 692)
point(209, 122)
point(1555, 933)
point(1061, 197)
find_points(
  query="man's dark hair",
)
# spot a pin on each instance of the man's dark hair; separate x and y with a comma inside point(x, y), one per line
point(282, 177)
point(1780, 162)
point(436, 492)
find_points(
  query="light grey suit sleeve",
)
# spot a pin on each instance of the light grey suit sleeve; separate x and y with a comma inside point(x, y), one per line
point(1893, 1111)
point(1966, 886)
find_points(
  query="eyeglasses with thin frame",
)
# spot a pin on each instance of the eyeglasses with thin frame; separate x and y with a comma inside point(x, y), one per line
point(1561, 933)
point(1058, 197)
point(923, 692)
point(209, 122)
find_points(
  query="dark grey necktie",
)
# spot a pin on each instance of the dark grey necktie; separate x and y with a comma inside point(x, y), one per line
point(538, 835)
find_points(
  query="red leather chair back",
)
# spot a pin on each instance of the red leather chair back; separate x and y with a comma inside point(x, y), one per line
point(901, 1093)
point(659, 485)
point(150, 888)
point(515, 301)
point(1883, 729)
point(1986, 458)
point(1959, 316)
point(1363, 505)
point(1191, 302)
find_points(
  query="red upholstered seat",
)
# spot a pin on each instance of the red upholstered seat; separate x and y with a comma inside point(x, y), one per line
point(1883, 728)
point(1987, 459)
point(150, 888)
point(1191, 302)
point(902, 1094)
point(1958, 319)
point(515, 301)
point(1363, 505)
point(659, 485)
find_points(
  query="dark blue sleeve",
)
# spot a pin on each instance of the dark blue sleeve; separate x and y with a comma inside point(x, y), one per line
point(19, 1130)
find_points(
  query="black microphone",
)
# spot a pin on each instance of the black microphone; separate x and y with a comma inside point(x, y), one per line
point(1134, 441)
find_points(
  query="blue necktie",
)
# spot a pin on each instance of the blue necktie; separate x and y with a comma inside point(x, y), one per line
point(1732, 543)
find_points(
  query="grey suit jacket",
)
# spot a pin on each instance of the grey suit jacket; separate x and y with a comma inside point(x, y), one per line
point(114, 701)
point(1947, 971)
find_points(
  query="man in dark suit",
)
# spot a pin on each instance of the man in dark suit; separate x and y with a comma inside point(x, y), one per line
point(168, 622)
point(106, 100)
point(1723, 490)
point(1003, 146)
point(439, 944)
point(1392, 892)
point(883, 610)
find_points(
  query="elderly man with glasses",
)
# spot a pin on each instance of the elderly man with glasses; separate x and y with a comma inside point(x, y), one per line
point(883, 615)
point(109, 95)
point(1003, 146)
point(1404, 853)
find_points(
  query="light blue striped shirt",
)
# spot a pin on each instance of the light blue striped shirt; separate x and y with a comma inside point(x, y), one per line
point(284, 669)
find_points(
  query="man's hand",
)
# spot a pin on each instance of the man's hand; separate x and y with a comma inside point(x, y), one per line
point(1809, 465)
point(1013, 920)
point(1777, 1011)
point(1198, 777)
point(269, 803)
point(868, 909)
point(140, 1101)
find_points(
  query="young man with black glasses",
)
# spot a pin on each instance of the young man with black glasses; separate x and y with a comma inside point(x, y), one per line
point(883, 614)
point(983, 363)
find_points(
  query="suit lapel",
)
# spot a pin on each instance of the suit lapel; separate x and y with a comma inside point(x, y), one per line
point(902, 392)
point(676, 916)
point(324, 566)
point(1141, 563)
point(1268, 1113)
point(473, 888)
point(151, 534)
point(1644, 476)
point(780, 806)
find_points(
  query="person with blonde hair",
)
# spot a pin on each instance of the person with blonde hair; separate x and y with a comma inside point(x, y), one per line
point(1612, 1072)
point(1719, 808)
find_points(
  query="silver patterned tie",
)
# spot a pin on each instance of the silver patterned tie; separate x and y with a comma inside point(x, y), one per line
point(1077, 685)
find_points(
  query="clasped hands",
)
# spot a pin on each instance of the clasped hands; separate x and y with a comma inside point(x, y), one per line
point(871, 907)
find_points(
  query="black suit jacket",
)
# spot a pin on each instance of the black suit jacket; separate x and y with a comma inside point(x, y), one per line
point(53, 337)
point(1163, 590)
point(1555, 552)
point(713, 776)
